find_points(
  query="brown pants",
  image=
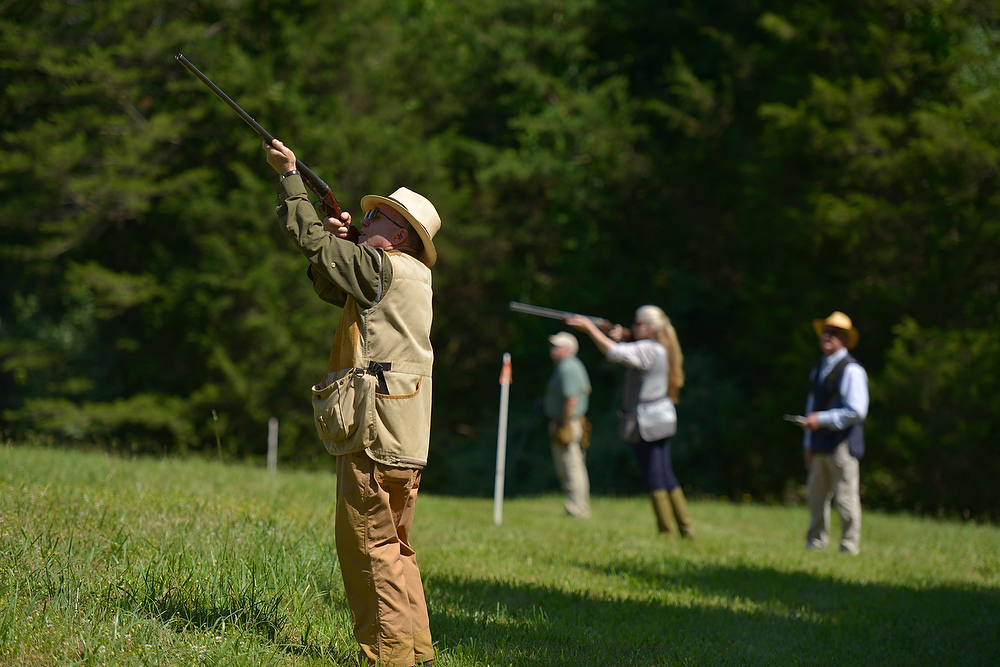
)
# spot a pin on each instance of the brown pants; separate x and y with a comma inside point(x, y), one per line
point(375, 505)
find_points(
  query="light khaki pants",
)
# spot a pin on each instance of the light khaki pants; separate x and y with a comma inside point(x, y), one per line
point(571, 467)
point(375, 505)
point(835, 476)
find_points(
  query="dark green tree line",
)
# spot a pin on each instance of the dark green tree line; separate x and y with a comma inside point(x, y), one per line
point(748, 166)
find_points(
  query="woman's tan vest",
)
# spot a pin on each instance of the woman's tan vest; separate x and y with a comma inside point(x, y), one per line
point(377, 392)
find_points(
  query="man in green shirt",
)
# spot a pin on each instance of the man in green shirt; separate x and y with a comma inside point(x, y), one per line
point(373, 406)
point(567, 396)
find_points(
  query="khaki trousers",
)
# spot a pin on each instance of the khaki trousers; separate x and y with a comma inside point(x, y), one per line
point(375, 505)
point(571, 468)
point(834, 475)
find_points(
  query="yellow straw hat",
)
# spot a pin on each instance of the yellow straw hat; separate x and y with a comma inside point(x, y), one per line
point(418, 211)
point(840, 321)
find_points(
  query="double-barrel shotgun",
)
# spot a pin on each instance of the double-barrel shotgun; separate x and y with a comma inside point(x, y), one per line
point(327, 203)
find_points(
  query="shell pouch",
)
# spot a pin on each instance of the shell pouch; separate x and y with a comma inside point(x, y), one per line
point(343, 405)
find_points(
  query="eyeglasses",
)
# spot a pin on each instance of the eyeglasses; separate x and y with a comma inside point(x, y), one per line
point(376, 213)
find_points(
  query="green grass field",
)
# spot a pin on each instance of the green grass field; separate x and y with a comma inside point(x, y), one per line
point(108, 561)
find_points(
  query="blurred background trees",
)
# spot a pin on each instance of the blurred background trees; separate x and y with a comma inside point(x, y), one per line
point(747, 166)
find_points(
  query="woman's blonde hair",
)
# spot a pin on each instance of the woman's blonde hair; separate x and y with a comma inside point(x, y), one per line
point(667, 337)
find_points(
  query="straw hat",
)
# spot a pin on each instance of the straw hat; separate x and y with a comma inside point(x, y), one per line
point(841, 321)
point(565, 339)
point(418, 211)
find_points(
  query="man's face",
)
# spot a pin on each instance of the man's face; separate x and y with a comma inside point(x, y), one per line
point(381, 228)
point(557, 353)
point(832, 340)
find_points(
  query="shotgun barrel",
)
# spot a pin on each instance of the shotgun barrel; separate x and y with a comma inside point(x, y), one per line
point(327, 201)
point(553, 314)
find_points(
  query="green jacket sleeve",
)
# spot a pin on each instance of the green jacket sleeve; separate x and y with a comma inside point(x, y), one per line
point(338, 268)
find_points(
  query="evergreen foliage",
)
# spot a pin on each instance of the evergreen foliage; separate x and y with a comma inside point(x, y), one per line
point(747, 166)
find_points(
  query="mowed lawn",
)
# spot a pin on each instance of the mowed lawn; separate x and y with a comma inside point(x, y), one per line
point(110, 561)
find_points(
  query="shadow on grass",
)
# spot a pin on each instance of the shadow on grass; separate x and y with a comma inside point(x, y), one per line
point(251, 608)
point(722, 615)
point(256, 613)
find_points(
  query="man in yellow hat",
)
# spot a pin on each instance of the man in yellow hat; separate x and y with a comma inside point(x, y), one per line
point(373, 407)
point(834, 442)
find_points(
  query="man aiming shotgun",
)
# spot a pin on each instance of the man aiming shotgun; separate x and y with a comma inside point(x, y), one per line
point(372, 409)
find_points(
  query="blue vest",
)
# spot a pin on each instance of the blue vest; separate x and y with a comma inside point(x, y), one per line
point(826, 396)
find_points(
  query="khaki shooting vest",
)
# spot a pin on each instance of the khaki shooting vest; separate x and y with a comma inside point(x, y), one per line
point(377, 392)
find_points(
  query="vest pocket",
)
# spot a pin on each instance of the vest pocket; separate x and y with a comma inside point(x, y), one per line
point(403, 418)
point(343, 405)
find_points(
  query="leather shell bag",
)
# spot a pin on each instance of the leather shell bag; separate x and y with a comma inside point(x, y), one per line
point(343, 405)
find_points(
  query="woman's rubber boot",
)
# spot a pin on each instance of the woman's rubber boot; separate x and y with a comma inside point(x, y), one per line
point(681, 512)
point(664, 511)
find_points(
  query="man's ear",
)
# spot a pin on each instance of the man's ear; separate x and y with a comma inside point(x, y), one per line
point(400, 236)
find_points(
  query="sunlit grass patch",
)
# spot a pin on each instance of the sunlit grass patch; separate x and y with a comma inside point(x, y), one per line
point(163, 562)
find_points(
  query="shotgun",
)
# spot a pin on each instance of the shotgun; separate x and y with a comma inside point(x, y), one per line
point(561, 315)
point(327, 203)
point(553, 314)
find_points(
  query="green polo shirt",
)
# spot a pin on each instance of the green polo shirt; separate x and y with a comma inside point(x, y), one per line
point(569, 379)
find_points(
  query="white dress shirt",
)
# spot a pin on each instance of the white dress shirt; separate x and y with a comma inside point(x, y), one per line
point(853, 391)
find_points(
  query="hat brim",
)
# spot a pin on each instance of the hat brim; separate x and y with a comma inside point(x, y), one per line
point(569, 343)
point(852, 333)
point(429, 255)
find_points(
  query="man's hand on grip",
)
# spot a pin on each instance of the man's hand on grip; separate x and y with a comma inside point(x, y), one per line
point(341, 228)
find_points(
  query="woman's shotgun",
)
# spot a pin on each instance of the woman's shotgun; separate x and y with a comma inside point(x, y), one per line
point(561, 315)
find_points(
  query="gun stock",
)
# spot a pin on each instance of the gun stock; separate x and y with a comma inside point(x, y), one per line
point(328, 203)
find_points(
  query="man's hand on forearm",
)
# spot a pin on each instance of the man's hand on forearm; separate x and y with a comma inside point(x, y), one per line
point(280, 157)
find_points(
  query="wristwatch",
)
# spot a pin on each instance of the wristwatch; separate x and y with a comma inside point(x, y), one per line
point(285, 175)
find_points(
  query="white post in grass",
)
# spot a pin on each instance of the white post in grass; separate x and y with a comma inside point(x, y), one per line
point(272, 445)
point(505, 374)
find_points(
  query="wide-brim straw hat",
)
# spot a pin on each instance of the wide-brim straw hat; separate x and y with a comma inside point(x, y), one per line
point(841, 321)
point(418, 211)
